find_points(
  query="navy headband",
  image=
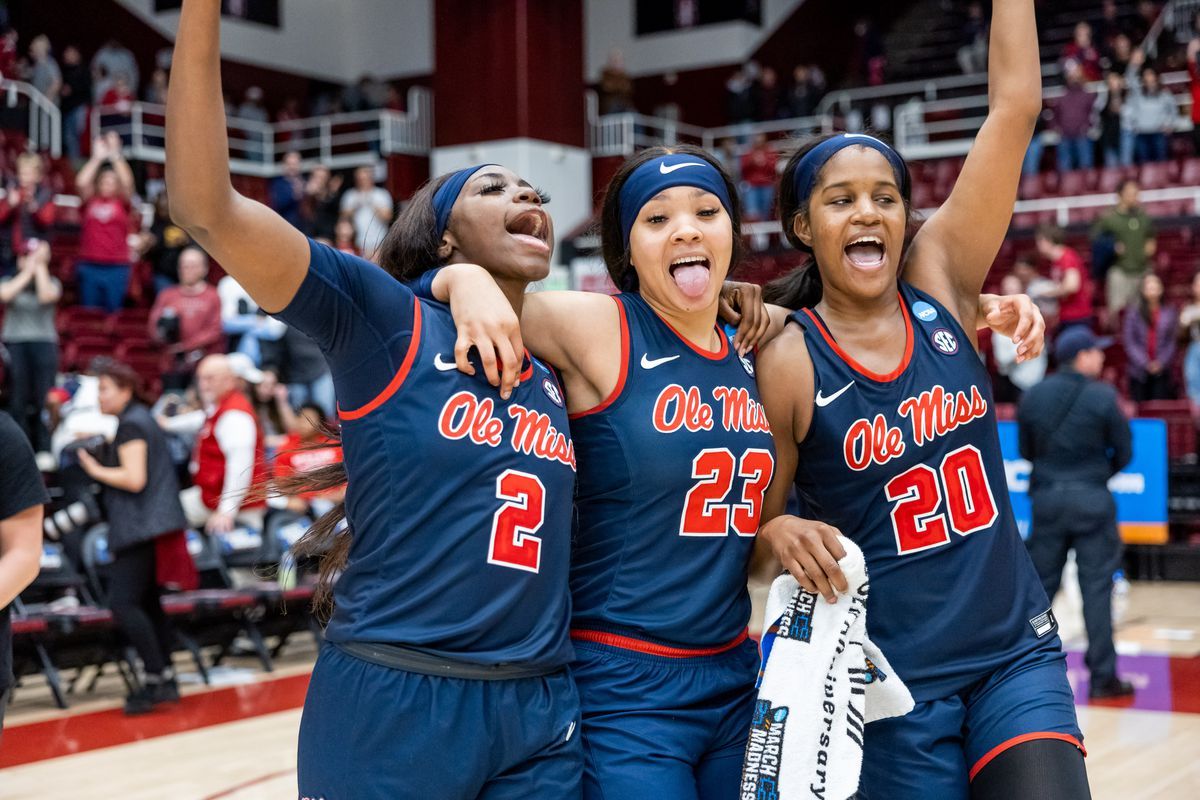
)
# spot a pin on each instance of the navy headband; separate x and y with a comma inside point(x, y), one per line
point(665, 172)
point(447, 195)
point(810, 166)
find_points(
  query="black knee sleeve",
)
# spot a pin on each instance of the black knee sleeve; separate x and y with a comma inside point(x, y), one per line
point(1048, 769)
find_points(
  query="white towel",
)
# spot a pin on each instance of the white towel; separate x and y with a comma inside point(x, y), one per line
point(822, 680)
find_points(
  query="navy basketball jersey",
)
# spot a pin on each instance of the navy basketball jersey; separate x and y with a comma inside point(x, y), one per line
point(908, 465)
point(672, 471)
point(459, 502)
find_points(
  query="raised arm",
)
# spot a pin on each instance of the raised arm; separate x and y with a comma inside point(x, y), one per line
point(116, 157)
point(265, 254)
point(953, 252)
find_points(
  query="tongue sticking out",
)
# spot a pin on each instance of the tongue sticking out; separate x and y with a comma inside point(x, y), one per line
point(692, 279)
point(865, 255)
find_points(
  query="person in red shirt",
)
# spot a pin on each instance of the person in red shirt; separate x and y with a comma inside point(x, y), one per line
point(26, 210)
point(1193, 54)
point(196, 307)
point(308, 448)
point(758, 179)
point(1084, 53)
point(1073, 281)
point(105, 185)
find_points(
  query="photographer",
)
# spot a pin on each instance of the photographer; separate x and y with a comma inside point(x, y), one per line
point(146, 522)
point(187, 318)
point(30, 297)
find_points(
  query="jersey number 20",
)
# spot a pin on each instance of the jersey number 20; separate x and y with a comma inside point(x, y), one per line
point(705, 512)
point(513, 543)
point(918, 494)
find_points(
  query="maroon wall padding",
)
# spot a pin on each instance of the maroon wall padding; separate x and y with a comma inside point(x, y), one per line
point(509, 68)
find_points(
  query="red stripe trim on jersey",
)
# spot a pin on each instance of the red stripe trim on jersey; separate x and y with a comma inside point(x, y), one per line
point(710, 355)
point(653, 648)
point(620, 387)
point(398, 378)
point(528, 373)
point(857, 367)
point(1016, 740)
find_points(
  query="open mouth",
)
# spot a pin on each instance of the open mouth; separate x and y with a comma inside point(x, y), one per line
point(531, 227)
point(690, 274)
point(866, 252)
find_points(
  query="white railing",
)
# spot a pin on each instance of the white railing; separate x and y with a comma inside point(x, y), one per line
point(1061, 206)
point(45, 122)
point(337, 141)
point(625, 133)
point(918, 138)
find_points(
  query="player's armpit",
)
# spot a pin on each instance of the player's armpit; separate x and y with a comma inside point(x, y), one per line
point(579, 333)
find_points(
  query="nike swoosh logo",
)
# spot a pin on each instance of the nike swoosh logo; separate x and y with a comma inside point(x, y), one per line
point(443, 366)
point(665, 170)
point(824, 401)
point(647, 363)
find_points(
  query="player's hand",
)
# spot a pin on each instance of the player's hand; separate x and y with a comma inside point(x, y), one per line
point(1018, 318)
point(486, 321)
point(741, 304)
point(810, 551)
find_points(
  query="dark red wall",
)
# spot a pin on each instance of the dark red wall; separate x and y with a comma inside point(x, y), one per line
point(508, 68)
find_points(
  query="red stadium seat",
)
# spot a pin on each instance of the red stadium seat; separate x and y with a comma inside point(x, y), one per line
point(1189, 172)
point(80, 351)
point(1111, 177)
point(1073, 183)
point(1155, 175)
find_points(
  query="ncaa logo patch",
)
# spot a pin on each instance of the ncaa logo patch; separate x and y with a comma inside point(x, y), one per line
point(945, 342)
point(747, 365)
point(924, 312)
point(552, 391)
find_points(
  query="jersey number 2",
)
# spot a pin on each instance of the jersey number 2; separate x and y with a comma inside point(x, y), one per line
point(705, 512)
point(918, 494)
point(514, 524)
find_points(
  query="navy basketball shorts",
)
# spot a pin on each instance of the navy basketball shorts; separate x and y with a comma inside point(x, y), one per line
point(371, 732)
point(666, 727)
point(941, 745)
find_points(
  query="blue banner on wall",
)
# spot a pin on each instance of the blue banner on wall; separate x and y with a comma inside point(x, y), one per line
point(1140, 489)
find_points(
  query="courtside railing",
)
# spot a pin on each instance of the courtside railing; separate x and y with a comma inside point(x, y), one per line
point(45, 122)
point(337, 141)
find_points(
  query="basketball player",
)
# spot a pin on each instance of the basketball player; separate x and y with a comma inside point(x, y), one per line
point(674, 455)
point(883, 419)
point(443, 673)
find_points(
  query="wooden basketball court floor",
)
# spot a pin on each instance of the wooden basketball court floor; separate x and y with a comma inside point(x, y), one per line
point(238, 742)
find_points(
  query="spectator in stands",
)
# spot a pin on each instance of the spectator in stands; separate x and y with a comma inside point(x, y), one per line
point(228, 457)
point(1032, 163)
point(44, 73)
point(758, 179)
point(726, 153)
point(1122, 54)
point(1149, 334)
point(1116, 126)
point(1072, 282)
point(145, 519)
point(616, 88)
point(287, 192)
point(117, 106)
point(1152, 108)
point(1016, 378)
point(27, 210)
point(1107, 28)
point(272, 409)
point(302, 367)
point(9, 54)
point(1041, 290)
point(109, 63)
point(76, 95)
point(370, 208)
point(22, 497)
point(322, 194)
point(252, 110)
point(1143, 22)
point(162, 244)
point(29, 298)
point(187, 319)
point(1083, 52)
point(739, 99)
point(869, 59)
point(243, 322)
point(307, 448)
point(1123, 244)
point(344, 237)
point(972, 53)
point(156, 90)
point(1072, 429)
point(768, 99)
point(105, 185)
point(806, 91)
point(1073, 120)
point(1189, 324)
point(1193, 65)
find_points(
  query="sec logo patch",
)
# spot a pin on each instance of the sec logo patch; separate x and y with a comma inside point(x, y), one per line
point(945, 342)
point(552, 391)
